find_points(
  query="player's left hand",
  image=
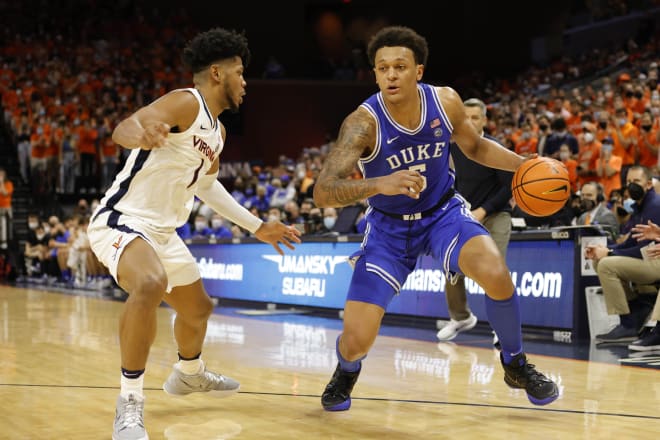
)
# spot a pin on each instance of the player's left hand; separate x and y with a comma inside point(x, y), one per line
point(276, 232)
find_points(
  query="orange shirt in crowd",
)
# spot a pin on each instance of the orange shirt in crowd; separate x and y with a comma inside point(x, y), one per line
point(587, 159)
point(39, 145)
point(648, 157)
point(627, 156)
point(87, 140)
point(109, 148)
point(574, 124)
point(526, 147)
point(571, 165)
point(5, 200)
point(613, 182)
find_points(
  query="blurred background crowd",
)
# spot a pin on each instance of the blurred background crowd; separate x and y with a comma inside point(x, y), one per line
point(67, 78)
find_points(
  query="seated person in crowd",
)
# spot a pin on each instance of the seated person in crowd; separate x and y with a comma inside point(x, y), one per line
point(219, 228)
point(201, 227)
point(620, 265)
point(650, 341)
point(595, 209)
point(36, 248)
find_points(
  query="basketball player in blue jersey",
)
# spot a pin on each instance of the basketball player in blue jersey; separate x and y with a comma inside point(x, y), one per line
point(175, 144)
point(400, 139)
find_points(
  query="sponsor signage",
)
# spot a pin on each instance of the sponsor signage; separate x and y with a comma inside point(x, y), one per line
point(317, 274)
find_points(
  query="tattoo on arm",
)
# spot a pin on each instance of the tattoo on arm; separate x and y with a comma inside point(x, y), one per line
point(333, 188)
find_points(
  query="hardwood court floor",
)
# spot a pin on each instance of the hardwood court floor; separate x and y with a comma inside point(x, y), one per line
point(59, 377)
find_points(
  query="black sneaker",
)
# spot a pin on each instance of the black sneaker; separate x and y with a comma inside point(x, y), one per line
point(519, 374)
point(618, 334)
point(649, 342)
point(337, 394)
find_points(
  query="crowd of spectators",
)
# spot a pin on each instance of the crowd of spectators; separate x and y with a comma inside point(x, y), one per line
point(64, 89)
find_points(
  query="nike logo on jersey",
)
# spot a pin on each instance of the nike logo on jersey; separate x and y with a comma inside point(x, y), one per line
point(390, 140)
point(203, 128)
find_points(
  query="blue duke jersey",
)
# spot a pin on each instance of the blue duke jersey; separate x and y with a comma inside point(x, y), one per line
point(391, 246)
point(424, 148)
point(158, 186)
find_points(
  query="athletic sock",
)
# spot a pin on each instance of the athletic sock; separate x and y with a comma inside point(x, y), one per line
point(348, 366)
point(190, 366)
point(132, 382)
point(504, 318)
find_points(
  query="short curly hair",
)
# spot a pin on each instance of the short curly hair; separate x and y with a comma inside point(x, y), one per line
point(214, 45)
point(398, 36)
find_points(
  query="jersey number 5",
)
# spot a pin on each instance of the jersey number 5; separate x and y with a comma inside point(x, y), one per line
point(421, 168)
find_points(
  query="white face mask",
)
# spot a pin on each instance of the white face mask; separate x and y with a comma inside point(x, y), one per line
point(216, 223)
point(33, 225)
point(588, 137)
point(564, 155)
point(329, 222)
point(272, 218)
point(199, 226)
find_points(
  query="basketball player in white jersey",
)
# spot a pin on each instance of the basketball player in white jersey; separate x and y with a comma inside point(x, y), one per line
point(176, 141)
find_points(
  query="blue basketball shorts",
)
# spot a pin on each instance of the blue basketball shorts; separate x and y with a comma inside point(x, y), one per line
point(391, 247)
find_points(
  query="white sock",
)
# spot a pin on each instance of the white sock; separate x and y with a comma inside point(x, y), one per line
point(189, 368)
point(132, 386)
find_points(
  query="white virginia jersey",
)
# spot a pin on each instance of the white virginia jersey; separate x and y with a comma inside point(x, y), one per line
point(158, 186)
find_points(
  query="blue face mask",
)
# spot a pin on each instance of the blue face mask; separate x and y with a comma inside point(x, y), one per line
point(329, 222)
point(628, 205)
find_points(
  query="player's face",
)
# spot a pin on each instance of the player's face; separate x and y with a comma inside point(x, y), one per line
point(234, 83)
point(396, 71)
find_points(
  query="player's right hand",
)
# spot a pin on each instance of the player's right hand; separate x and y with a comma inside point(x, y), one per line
point(154, 135)
point(275, 232)
point(404, 182)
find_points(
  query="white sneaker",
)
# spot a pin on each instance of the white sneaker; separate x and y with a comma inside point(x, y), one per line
point(180, 384)
point(129, 422)
point(453, 327)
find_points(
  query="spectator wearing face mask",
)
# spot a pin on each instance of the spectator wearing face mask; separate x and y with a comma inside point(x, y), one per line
point(588, 154)
point(201, 227)
point(620, 265)
point(527, 142)
point(218, 228)
point(560, 136)
point(608, 168)
point(594, 210)
point(542, 135)
point(329, 219)
point(625, 136)
point(648, 143)
point(570, 164)
point(603, 125)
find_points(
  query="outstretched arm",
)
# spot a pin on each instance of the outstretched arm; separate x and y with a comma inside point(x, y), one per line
point(476, 147)
point(357, 136)
point(211, 192)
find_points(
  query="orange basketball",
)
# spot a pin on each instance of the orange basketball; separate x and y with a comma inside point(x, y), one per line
point(541, 186)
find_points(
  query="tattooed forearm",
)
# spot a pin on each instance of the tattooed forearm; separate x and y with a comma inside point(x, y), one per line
point(338, 193)
point(334, 188)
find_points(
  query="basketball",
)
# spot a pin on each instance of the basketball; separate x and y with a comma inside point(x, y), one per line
point(541, 186)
